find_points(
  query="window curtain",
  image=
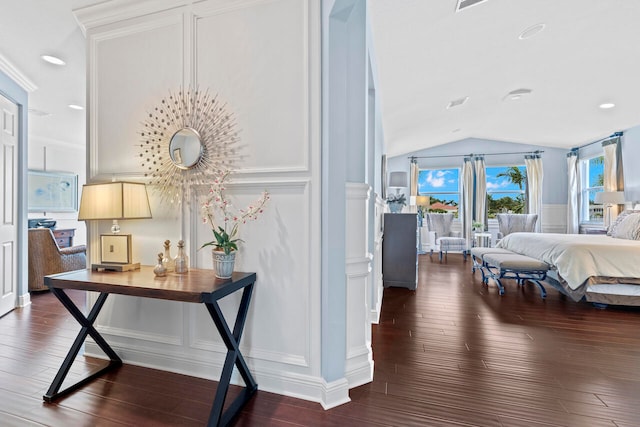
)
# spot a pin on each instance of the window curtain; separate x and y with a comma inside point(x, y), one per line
point(466, 205)
point(533, 163)
point(573, 202)
point(480, 214)
point(413, 184)
point(611, 161)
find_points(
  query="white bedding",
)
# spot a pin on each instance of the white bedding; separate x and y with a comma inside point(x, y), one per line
point(577, 257)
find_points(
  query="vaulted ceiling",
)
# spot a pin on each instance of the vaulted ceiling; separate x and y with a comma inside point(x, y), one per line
point(428, 55)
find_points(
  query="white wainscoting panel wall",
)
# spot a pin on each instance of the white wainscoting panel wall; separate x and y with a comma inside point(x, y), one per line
point(263, 58)
point(359, 360)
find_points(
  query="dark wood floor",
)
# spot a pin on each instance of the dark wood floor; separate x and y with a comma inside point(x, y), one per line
point(451, 353)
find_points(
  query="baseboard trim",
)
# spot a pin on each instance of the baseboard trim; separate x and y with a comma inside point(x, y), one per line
point(300, 386)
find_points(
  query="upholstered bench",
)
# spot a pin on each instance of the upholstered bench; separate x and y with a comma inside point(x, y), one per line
point(477, 255)
point(514, 266)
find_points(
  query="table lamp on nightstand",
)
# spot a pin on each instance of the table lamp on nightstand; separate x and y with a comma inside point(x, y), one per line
point(114, 201)
point(608, 199)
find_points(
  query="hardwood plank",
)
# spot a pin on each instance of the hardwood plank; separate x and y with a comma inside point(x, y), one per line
point(451, 353)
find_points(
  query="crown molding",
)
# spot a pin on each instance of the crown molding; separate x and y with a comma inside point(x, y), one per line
point(16, 75)
point(110, 11)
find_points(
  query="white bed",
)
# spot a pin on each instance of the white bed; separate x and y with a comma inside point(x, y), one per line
point(598, 268)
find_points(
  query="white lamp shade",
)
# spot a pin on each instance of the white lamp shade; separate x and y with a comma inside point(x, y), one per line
point(397, 179)
point(114, 200)
point(610, 197)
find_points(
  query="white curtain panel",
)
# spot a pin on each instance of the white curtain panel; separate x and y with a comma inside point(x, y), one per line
point(466, 205)
point(573, 218)
point(481, 190)
point(610, 148)
point(413, 173)
point(535, 174)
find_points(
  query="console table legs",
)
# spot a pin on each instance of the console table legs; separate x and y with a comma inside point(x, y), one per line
point(231, 340)
point(234, 357)
point(87, 329)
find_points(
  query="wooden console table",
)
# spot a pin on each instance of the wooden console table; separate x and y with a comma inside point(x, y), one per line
point(197, 286)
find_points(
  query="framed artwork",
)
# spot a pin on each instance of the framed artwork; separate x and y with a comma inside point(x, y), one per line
point(115, 248)
point(52, 191)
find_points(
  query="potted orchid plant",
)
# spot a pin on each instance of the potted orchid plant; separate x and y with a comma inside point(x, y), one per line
point(225, 220)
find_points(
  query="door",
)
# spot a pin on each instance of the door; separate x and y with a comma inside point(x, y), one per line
point(8, 187)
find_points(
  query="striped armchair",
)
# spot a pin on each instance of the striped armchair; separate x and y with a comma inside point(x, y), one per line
point(441, 238)
point(45, 257)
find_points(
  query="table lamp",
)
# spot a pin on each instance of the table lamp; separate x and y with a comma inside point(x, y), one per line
point(398, 180)
point(608, 199)
point(114, 201)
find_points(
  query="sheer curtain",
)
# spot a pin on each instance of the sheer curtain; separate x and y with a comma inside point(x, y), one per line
point(611, 161)
point(533, 163)
point(481, 190)
point(573, 218)
point(466, 213)
point(413, 178)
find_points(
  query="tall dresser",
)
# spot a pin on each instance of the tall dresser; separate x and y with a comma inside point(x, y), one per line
point(400, 250)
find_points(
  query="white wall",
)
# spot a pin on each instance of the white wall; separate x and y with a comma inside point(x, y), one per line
point(263, 58)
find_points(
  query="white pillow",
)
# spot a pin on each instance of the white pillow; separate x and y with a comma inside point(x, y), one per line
point(628, 228)
point(619, 219)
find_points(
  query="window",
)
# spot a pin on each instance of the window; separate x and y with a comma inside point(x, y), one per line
point(506, 189)
point(591, 182)
point(443, 188)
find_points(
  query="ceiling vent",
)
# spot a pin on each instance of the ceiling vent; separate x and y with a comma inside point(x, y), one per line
point(463, 4)
point(38, 113)
point(457, 102)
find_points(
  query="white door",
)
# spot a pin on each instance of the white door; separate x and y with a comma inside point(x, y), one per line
point(8, 218)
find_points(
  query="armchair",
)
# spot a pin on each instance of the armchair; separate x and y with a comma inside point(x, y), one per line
point(45, 257)
point(441, 238)
point(511, 223)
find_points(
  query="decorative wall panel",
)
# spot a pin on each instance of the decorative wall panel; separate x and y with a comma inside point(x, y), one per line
point(260, 66)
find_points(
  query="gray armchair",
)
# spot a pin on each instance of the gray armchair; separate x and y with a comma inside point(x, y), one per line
point(441, 238)
point(512, 223)
point(45, 257)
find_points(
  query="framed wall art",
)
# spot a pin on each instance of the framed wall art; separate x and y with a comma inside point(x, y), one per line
point(52, 191)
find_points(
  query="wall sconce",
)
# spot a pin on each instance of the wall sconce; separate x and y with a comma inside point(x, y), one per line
point(608, 199)
point(114, 201)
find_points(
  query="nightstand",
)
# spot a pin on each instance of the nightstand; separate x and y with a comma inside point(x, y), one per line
point(64, 236)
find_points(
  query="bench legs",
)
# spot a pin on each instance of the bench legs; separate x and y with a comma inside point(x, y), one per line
point(521, 276)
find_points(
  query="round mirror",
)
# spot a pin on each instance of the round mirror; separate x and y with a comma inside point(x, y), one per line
point(185, 148)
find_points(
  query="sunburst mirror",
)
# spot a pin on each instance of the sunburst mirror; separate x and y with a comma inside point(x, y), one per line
point(187, 140)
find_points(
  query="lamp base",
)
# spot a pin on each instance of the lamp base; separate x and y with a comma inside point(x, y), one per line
point(116, 267)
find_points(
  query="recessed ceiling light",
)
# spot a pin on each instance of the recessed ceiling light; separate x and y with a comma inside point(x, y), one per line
point(607, 105)
point(516, 94)
point(457, 102)
point(531, 31)
point(53, 60)
point(76, 107)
